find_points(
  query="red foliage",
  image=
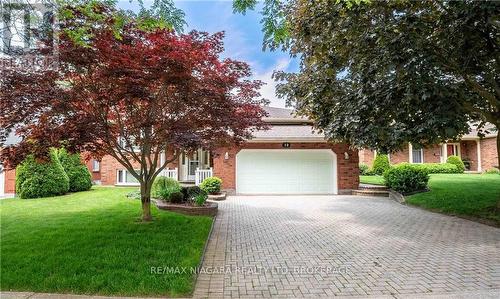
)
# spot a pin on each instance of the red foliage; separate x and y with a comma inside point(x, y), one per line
point(156, 90)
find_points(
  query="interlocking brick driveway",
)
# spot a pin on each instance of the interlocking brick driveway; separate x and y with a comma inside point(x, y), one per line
point(310, 246)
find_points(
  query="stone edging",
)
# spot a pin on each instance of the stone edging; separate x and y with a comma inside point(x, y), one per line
point(217, 197)
point(210, 210)
point(202, 258)
point(397, 196)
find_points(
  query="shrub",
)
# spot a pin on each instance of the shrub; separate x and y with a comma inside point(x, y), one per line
point(211, 185)
point(405, 178)
point(381, 164)
point(200, 199)
point(364, 169)
point(163, 187)
point(493, 171)
point(434, 167)
point(176, 197)
point(79, 175)
point(455, 160)
point(190, 192)
point(439, 167)
point(41, 179)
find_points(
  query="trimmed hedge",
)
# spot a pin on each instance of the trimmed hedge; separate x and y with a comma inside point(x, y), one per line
point(405, 178)
point(434, 167)
point(79, 175)
point(211, 185)
point(380, 164)
point(41, 179)
point(455, 160)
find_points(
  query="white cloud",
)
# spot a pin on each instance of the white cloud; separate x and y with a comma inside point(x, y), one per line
point(268, 91)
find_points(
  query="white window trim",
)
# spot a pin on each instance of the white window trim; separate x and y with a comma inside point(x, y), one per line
point(94, 164)
point(118, 183)
point(410, 154)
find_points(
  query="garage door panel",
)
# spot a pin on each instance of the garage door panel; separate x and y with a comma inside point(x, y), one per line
point(285, 171)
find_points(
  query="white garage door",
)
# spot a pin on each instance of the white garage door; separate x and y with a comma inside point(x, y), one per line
point(286, 172)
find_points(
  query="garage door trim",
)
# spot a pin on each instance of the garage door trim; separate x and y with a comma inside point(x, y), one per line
point(329, 151)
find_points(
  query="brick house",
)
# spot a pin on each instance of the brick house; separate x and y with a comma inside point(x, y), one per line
point(479, 153)
point(289, 158)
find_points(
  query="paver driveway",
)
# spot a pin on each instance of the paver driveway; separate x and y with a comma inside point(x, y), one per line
point(309, 246)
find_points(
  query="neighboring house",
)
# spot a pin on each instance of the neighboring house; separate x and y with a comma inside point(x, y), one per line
point(289, 158)
point(479, 154)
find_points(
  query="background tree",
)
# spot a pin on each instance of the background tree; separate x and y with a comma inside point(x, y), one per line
point(135, 96)
point(380, 74)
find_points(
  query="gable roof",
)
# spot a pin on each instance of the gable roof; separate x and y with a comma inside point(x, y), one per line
point(283, 115)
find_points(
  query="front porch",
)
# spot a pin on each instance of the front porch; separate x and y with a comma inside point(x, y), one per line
point(468, 150)
point(191, 168)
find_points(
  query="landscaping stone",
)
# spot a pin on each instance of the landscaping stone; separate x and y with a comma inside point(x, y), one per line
point(217, 197)
point(209, 209)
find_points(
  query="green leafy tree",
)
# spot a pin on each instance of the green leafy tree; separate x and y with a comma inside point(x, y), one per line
point(379, 74)
point(41, 178)
point(79, 175)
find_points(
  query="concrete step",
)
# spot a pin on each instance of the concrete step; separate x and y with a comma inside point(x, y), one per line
point(372, 187)
point(361, 192)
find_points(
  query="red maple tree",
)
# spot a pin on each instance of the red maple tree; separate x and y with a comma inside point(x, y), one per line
point(133, 95)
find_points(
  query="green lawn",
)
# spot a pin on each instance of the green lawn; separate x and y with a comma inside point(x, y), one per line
point(371, 179)
point(93, 243)
point(462, 194)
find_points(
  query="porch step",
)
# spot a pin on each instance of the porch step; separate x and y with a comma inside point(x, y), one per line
point(372, 187)
point(187, 183)
point(366, 192)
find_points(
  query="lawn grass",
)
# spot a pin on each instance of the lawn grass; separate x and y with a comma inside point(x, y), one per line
point(372, 179)
point(470, 195)
point(93, 243)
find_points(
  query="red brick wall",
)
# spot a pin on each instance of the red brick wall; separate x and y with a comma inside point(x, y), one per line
point(96, 175)
point(489, 155)
point(347, 170)
point(468, 151)
point(366, 156)
point(110, 165)
point(10, 181)
point(432, 154)
point(399, 156)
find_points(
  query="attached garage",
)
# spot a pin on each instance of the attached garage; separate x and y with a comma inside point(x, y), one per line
point(286, 171)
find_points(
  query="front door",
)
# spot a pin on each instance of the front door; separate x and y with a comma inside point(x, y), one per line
point(189, 163)
point(452, 150)
point(192, 165)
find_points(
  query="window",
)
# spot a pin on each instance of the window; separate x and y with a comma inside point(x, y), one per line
point(95, 166)
point(125, 178)
point(417, 154)
point(123, 144)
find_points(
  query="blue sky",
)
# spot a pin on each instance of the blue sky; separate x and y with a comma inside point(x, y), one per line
point(243, 39)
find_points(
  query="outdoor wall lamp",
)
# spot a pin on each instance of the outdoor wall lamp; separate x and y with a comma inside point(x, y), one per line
point(346, 155)
point(226, 156)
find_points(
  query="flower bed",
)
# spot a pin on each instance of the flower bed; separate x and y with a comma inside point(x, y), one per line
point(207, 209)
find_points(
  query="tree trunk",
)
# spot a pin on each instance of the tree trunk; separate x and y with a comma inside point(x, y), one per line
point(146, 202)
